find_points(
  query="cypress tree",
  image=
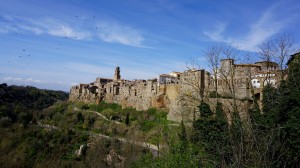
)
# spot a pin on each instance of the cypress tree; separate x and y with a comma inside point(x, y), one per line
point(127, 120)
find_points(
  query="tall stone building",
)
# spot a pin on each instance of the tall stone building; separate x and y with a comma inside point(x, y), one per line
point(117, 75)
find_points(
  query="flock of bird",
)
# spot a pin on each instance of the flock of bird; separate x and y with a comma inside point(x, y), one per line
point(25, 52)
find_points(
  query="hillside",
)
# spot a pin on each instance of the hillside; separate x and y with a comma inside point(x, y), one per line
point(20, 103)
point(36, 133)
point(40, 128)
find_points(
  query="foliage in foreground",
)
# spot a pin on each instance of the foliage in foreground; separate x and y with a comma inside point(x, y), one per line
point(270, 139)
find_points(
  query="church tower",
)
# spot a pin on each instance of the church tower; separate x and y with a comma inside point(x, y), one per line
point(117, 75)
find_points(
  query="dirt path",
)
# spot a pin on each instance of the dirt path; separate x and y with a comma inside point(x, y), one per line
point(153, 148)
point(97, 113)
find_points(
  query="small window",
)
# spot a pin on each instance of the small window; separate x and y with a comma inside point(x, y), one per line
point(117, 90)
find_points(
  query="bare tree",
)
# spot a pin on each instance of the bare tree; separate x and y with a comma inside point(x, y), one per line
point(213, 55)
point(267, 52)
point(277, 50)
point(228, 76)
point(283, 49)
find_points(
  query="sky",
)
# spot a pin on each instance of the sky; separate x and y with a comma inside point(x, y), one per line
point(55, 44)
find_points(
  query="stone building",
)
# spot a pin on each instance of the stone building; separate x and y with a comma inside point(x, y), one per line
point(180, 93)
point(165, 92)
point(244, 78)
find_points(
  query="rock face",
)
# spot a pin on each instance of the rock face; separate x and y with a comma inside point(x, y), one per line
point(179, 92)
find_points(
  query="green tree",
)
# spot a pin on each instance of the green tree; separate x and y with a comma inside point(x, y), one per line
point(281, 112)
point(80, 117)
point(289, 111)
point(211, 132)
point(183, 138)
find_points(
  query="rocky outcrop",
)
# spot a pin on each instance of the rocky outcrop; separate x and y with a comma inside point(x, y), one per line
point(81, 150)
point(115, 160)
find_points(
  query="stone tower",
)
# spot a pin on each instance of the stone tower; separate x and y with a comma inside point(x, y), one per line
point(117, 75)
point(227, 66)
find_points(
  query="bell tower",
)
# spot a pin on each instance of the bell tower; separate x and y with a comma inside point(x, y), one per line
point(117, 75)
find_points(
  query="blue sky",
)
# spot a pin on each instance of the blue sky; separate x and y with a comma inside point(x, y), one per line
point(54, 44)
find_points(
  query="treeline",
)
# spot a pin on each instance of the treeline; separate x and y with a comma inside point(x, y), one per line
point(19, 103)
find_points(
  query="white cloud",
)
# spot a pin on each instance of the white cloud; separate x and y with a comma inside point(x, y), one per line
point(267, 25)
point(59, 29)
point(35, 82)
point(216, 35)
point(43, 26)
point(108, 31)
point(264, 28)
point(65, 31)
point(116, 33)
point(35, 30)
point(6, 28)
point(26, 80)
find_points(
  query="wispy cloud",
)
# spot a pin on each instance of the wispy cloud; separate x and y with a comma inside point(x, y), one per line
point(6, 28)
point(116, 33)
point(264, 28)
point(216, 35)
point(108, 31)
point(65, 31)
point(267, 25)
point(48, 26)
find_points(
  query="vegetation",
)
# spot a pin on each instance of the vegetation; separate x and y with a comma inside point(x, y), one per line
point(37, 133)
point(281, 112)
point(270, 139)
point(20, 104)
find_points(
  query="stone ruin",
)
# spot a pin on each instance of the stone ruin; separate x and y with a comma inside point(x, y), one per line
point(178, 93)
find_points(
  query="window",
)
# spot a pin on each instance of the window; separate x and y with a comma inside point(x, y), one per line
point(117, 90)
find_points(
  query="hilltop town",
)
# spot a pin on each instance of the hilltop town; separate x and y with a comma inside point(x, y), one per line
point(181, 92)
